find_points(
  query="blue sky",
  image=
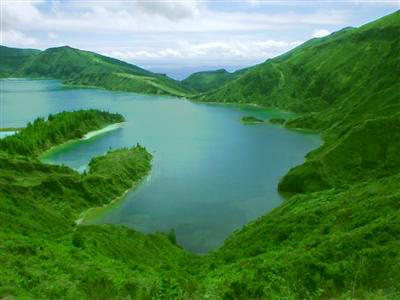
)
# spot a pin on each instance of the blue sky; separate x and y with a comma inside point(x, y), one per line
point(180, 36)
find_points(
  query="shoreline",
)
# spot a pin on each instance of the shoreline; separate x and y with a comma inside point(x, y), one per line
point(87, 136)
point(4, 134)
point(94, 212)
point(105, 129)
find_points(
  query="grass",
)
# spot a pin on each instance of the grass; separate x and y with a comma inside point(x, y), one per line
point(336, 236)
point(84, 68)
point(45, 255)
point(208, 80)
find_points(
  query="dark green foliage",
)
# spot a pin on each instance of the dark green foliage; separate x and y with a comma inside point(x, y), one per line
point(251, 120)
point(42, 134)
point(277, 121)
point(116, 172)
point(77, 240)
point(172, 236)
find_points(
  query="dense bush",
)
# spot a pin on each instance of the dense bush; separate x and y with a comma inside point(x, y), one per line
point(42, 134)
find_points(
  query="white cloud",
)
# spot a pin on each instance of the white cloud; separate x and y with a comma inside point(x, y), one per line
point(211, 51)
point(153, 16)
point(21, 14)
point(52, 35)
point(395, 3)
point(320, 33)
point(173, 10)
point(17, 39)
point(165, 31)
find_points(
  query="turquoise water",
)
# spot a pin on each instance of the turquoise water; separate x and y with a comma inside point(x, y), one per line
point(211, 174)
point(3, 134)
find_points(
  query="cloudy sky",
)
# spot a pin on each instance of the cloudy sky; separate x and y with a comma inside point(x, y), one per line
point(181, 36)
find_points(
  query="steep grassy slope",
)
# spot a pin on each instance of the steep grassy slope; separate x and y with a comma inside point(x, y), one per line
point(348, 86)
point(78, 67)
point(208, 80)
point(361, 125)
point(13, 59)
point(367, 151)
point(341, 243)
point(345, 76)
point(44, 255)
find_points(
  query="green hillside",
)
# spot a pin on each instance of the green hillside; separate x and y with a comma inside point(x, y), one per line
point(78, 67)
point(208, 80)
point(366, 152)
point(13, 59)
point(336, 236)
point(342, 77)
point(336, 244)
point(45, 255)
point(42, 134)
point(341, 243)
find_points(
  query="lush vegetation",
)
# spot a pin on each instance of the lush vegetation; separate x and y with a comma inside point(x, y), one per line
point(251, 120)
point(43, 253)
point(336, 236)
point(12, 59)
point(344, 78)
point(78, 67)
point(277, 121)
point(340, 243)
point(366, 152)
point(208, 80)
point(42, 134)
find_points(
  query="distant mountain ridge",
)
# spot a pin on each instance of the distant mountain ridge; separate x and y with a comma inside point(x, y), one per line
point(208, 80)
point(78, 67)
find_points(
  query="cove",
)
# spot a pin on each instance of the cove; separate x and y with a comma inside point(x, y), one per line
point(211, 174)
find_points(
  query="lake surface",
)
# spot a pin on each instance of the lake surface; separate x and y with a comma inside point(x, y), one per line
point(211, 174)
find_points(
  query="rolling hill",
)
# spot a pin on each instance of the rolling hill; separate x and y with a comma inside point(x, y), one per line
point(341, 78)
point(13, 59)
point(208, 80)
point(78, 67)
point(340, 221)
